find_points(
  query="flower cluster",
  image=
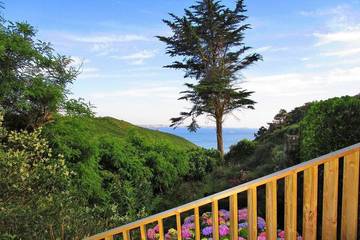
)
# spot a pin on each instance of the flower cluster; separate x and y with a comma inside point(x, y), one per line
point(206, 225)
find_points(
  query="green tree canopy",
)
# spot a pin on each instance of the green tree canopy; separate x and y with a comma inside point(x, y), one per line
point(209, 41)
point(33, 78)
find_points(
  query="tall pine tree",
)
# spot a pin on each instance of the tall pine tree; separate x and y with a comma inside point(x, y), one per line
point(209, 41)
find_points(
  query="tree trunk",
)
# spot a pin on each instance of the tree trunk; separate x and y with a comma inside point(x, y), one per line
point(219, 137)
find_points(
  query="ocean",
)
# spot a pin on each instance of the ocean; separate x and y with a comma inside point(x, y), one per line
point(206, 137)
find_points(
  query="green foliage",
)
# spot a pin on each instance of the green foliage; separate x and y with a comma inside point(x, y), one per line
point(240, 151)
point(78, 107)
point(33, 77)
point(202, 162)
point(34, 183)
point(330, 125)
point(124, 166)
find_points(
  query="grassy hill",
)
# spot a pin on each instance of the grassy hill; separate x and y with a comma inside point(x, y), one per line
point(120, 128)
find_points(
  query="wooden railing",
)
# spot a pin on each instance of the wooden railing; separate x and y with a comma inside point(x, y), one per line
point(346, 159)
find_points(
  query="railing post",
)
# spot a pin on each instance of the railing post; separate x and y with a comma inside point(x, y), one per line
point(126, 235)
point(350, 197)
point(252, 213)
point(197, 223)
point(271, 210)
point(178, 225)
point(143, 232)
point(161, 229)
point(215, 219)
point(330, 200)
point(234, 216)
point(290, 206)
point(310, 203)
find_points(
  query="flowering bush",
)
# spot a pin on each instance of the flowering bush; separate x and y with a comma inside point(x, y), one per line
point(188, 228)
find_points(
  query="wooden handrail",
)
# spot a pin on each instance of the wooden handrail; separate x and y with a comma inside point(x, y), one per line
point(270, 180)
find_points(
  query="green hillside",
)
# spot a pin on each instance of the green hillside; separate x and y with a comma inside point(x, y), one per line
point(119, 128)
point(122, 171)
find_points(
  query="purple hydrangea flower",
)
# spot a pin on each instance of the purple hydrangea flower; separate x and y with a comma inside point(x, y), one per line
point(261, 223)
point(243, 225)
point(207, 231)
point(189, 225)
point(189, 219)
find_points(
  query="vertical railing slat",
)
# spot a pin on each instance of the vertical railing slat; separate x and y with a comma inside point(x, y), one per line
point(310, 203)
point(271, 210)
point(161, 229)
point(350, 197)
point(290, 206)
point(178, 225)
point(126, 235)
point(234, 216)
point(330, 200)
point(143, 232)
point(215, 217)
point(197, 223)
point(252, 213)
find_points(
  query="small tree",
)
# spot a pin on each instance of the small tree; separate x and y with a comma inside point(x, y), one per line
point(33, 78)
point(209, 39)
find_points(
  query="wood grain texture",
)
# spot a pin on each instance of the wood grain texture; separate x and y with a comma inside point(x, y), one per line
point(330, 199)
point(290, 207)
point(271, 210)
point(234, 216)
point(350, 197)
point(310, 199)
point(215, 219)
point(252, 213)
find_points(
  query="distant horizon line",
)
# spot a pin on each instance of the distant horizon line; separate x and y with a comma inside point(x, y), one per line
point(167, 126)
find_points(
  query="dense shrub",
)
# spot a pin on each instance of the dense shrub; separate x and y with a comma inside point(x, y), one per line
point(241, 151)
point(330, 125)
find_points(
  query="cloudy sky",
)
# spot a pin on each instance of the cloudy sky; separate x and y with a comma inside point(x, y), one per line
point(311, 51)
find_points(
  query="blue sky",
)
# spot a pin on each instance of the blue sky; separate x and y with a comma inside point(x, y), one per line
point(311, 51)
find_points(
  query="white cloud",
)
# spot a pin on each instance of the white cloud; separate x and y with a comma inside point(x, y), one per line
point(270, 49)
point(158, 91)
point(342, 53)
point(102, 44)
point(138, 57)
point(349, 36)
point(305, 84)
point(105, 38)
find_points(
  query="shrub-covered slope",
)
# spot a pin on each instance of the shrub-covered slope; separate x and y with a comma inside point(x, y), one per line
point(122, 170)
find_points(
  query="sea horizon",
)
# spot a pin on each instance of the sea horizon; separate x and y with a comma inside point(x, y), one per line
point(206, 136)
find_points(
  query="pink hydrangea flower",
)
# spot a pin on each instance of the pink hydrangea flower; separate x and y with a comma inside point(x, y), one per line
point(151, 234)
point(262, 236)
point(223, 230)
point(281, 234)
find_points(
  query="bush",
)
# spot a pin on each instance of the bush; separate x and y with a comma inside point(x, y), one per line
point(330, 125)
point(240, 152)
